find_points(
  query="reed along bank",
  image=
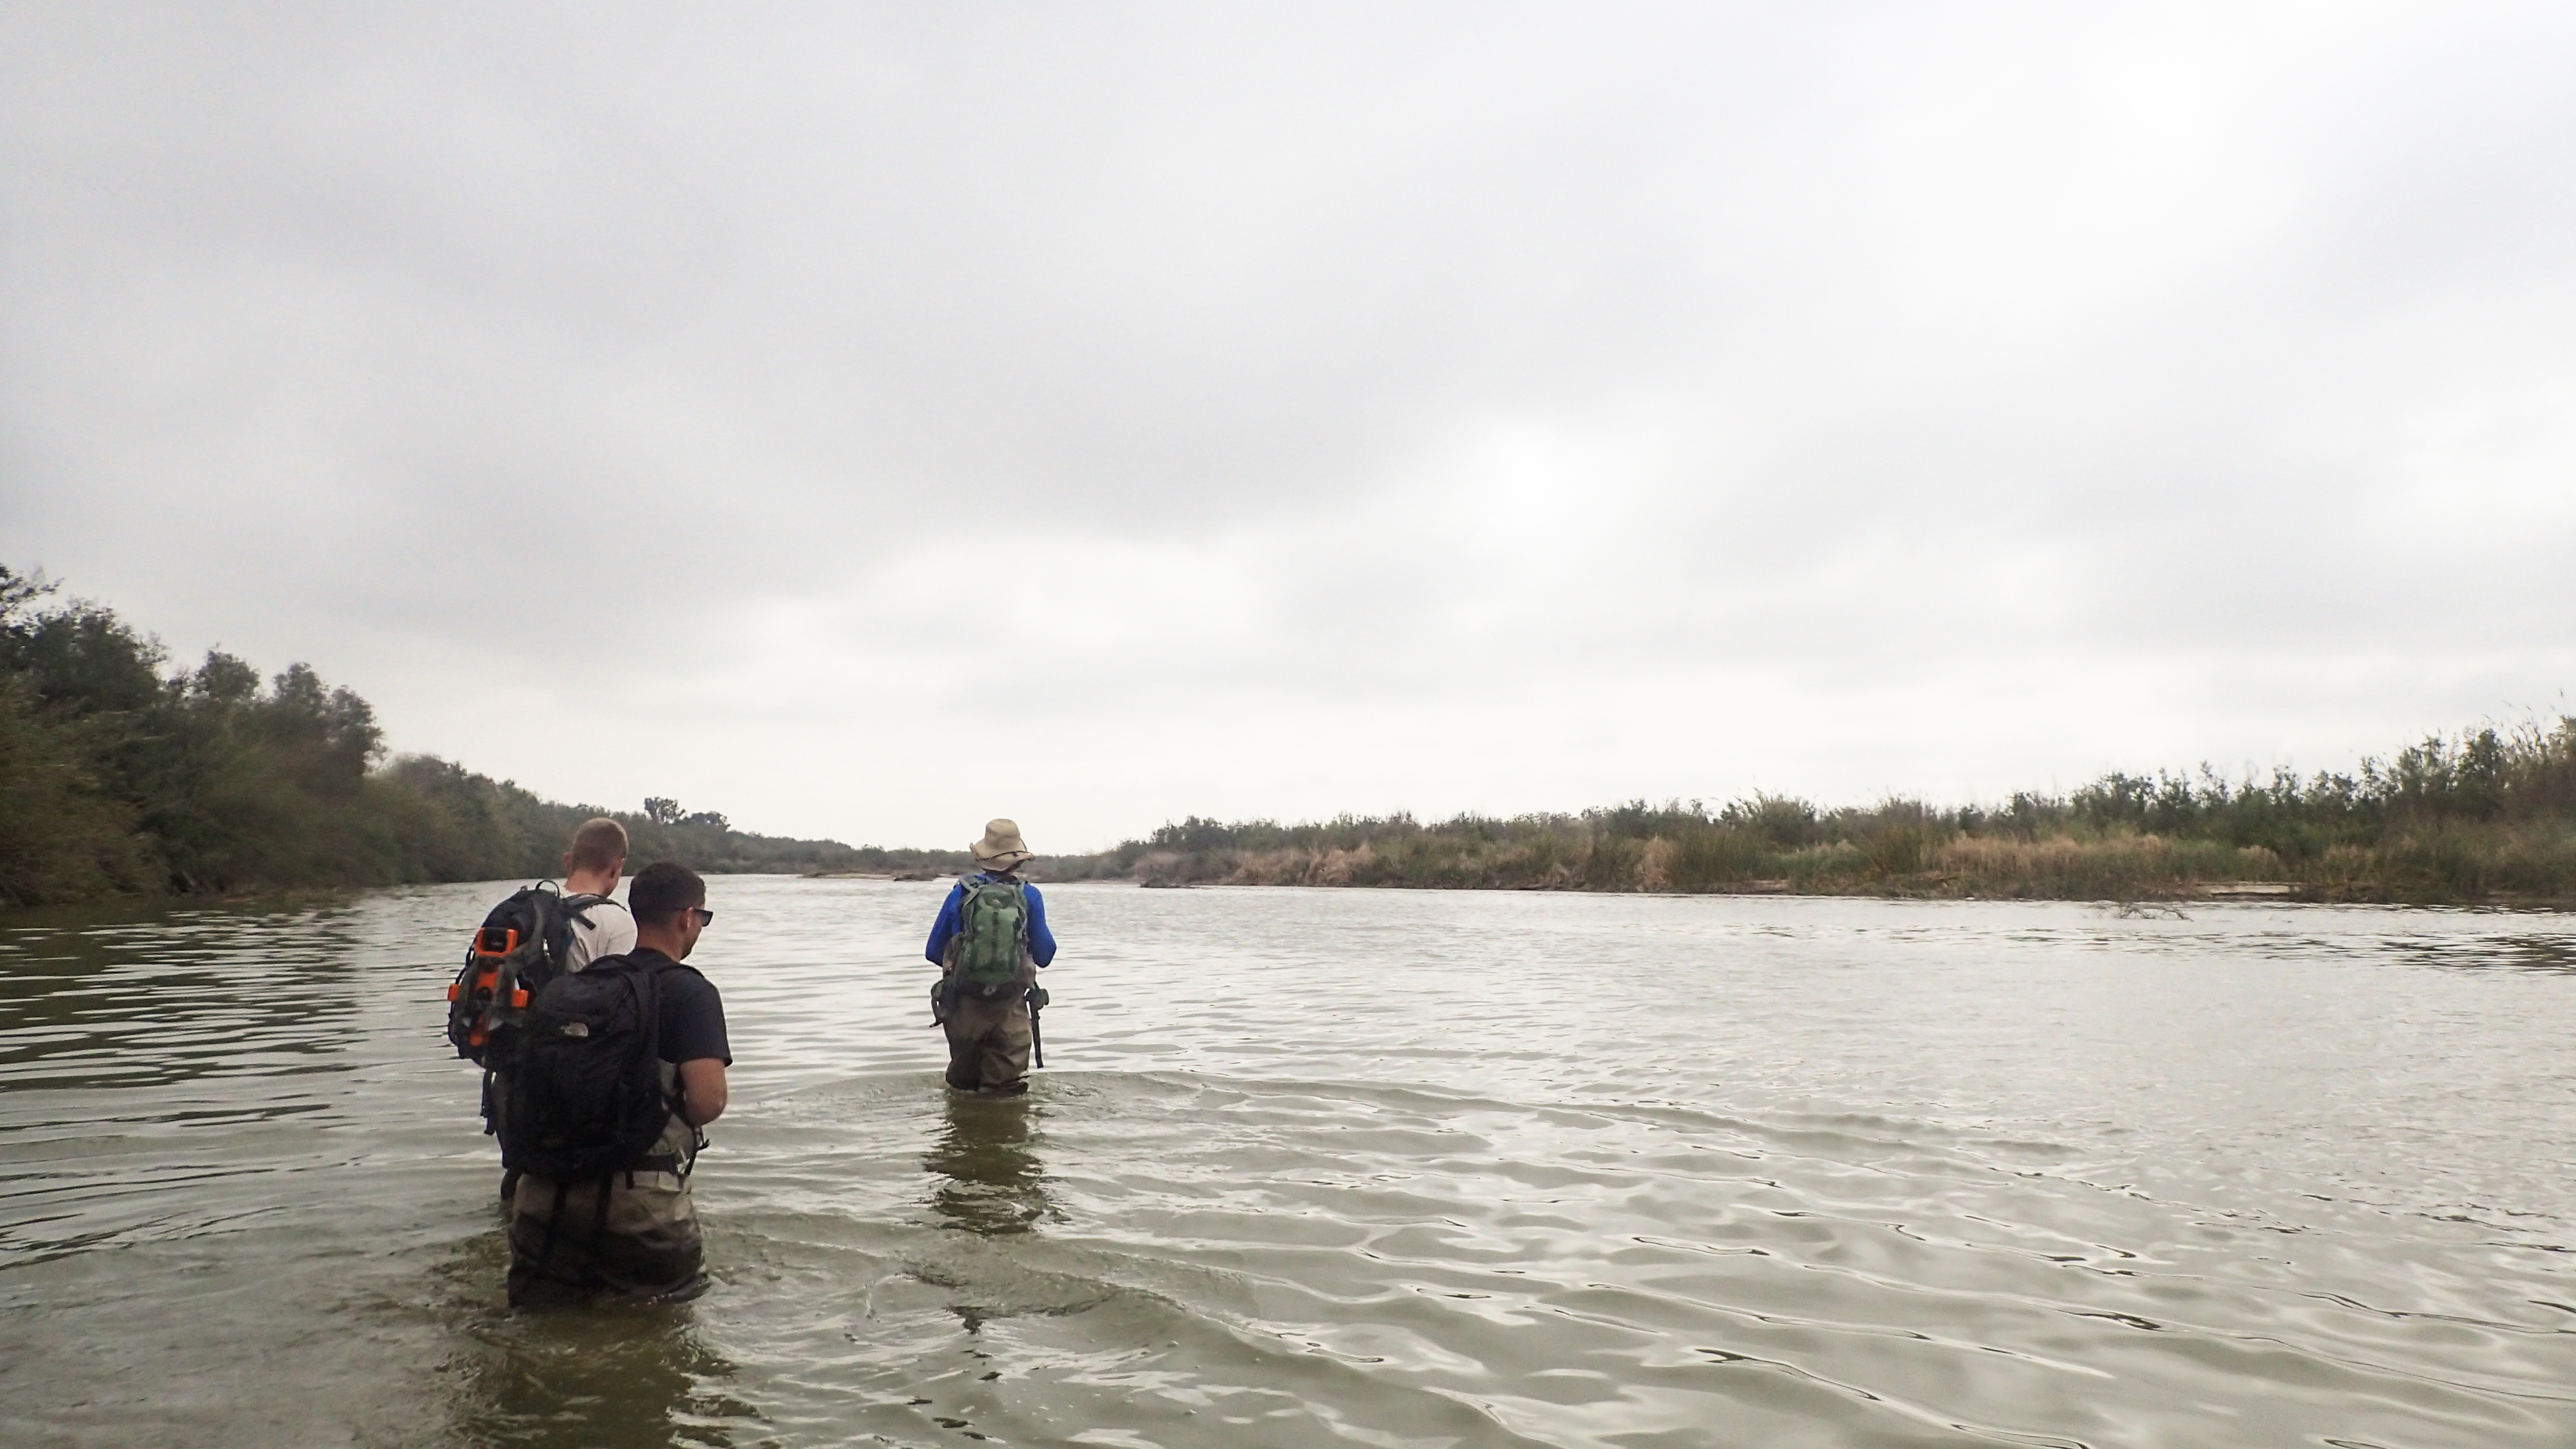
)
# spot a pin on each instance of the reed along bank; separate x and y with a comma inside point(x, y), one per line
point(2486, 816)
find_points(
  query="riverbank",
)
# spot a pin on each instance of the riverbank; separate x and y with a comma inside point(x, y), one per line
point(2484, 817)
point(2446, 870)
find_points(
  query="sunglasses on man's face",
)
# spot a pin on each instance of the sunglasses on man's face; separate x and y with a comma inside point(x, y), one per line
point(705, 917)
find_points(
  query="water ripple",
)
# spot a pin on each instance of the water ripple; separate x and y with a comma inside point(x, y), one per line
point(1387, 1168)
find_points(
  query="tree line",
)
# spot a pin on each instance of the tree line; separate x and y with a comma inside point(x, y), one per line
point(122, 775)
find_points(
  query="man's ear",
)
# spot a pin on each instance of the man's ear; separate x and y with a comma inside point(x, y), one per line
point(567, 865)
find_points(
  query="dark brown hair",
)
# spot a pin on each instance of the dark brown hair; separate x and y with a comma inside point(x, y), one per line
point(598, 844)
point(663, 890)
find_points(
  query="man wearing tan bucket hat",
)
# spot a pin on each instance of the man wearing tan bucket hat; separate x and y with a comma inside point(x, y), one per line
point(989, 943)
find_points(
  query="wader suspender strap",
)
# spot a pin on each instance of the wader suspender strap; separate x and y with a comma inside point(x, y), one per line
point(590, 1275)
point(546, 1245)
point(647, 989)
point(599, 1221)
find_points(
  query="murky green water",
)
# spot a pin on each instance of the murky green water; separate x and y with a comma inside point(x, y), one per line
point(1311, 1167)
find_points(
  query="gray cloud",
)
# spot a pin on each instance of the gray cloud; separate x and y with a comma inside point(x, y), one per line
point(1443, 407)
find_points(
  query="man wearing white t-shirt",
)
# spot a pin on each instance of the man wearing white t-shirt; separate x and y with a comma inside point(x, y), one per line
point(592, 867)
point(601, 928)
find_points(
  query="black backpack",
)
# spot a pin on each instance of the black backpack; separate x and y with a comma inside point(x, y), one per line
point(524, 943)
point(585, 1096)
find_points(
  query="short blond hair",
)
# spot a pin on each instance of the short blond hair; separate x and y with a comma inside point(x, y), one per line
point(598, 844)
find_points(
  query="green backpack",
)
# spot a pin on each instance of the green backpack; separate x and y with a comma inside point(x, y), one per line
point(990, 954)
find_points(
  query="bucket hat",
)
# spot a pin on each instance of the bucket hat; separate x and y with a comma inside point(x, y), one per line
point(1001, 848)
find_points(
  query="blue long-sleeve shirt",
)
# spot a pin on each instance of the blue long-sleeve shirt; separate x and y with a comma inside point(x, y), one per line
point(943, 930)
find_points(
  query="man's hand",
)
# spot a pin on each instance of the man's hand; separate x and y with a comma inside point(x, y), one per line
point(702, 1091)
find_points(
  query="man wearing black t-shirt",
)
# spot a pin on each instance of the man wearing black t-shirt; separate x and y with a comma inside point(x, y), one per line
point(647, 1241)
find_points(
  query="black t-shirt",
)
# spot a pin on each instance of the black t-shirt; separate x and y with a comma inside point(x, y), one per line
point(693, 1024)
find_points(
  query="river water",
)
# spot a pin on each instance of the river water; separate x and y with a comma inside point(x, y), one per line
point(1317, 1167)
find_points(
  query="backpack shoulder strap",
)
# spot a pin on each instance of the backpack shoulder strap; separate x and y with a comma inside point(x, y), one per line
point(648, 999)
point(544, 901)
point(554, 923)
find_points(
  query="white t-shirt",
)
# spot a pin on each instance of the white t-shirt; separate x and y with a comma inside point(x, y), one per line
point(611, 932)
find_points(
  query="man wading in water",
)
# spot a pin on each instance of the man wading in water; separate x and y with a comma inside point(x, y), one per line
point(600, 927)
point(989, 941)
point(592, 868)
point(526, 941)
point(624, 1061)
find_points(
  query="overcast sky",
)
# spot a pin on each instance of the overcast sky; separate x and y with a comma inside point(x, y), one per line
point(867, 420)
